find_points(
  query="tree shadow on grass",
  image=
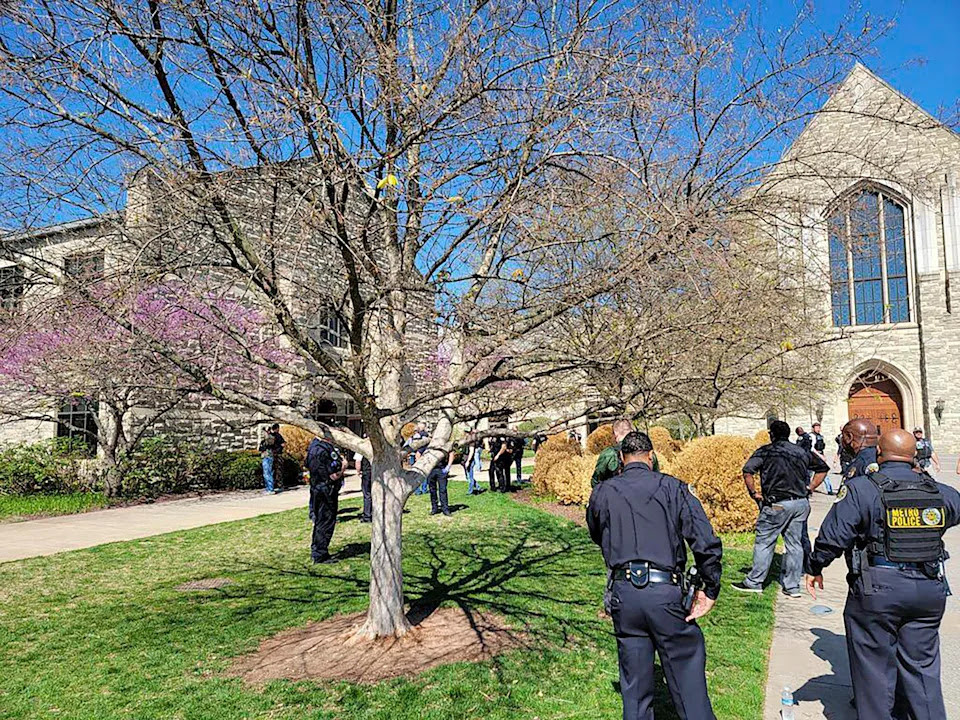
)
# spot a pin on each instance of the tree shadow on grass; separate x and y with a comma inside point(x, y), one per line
point(546, 579)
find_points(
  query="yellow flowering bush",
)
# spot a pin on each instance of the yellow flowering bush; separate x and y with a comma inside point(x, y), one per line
point(557, 449)
point(712, 466)
point(600, 439)
point(663, 443)
point(762, 437)
point(297, 441)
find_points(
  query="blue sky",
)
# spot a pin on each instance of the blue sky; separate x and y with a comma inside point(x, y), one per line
point(920, 56)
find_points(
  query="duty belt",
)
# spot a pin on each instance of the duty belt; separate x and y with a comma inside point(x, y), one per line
point(642, 574)
point(881, 561)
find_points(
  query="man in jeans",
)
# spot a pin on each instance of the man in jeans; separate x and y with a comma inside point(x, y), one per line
point(271, 448)
point(783, 497)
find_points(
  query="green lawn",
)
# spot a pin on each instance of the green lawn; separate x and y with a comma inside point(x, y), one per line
point(102, 633)
point(18, 507)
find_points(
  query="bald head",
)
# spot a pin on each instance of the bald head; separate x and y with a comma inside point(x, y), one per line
point(621, 428)
point(896, 446)
point(858, 434)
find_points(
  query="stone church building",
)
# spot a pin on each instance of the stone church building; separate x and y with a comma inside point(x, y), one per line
point(865, 210)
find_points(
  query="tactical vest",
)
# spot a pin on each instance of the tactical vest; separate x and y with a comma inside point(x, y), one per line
point(924, 450)
point(914, 519)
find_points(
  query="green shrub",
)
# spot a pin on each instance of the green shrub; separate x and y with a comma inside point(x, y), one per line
point(45, 468)
point(533, 424)
point(167, 466)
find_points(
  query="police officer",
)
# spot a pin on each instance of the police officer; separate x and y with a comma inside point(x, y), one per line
point(502, 462)
point(783, 497)
point(517, 446)
point(804, 440)
point(890, 525)
point(859, 438)
point(494, 444)
point(365, 468)
point(819, 444)
point(641, 520)
point(925, 452)
point(326, 476)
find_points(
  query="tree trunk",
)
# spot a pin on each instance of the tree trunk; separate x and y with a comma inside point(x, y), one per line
point(112, 480)
point(386, 616)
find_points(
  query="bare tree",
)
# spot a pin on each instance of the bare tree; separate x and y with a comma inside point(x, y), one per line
point(403, 193)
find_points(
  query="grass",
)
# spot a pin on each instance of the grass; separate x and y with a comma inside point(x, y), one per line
point(19, 507)
point(102, 633)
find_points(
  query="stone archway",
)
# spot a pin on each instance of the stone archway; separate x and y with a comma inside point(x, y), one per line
point(875, 396)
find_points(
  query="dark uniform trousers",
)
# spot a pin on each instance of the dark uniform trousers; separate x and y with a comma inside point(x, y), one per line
point(503, 473)
point(324, 502)
point(652, 619)
point(366, 487)
point(893, 642)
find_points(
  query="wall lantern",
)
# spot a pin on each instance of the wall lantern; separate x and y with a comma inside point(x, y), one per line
point(938, 410)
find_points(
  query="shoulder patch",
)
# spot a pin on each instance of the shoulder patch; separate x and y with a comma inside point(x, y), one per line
point(872, 468)
point(841, 494)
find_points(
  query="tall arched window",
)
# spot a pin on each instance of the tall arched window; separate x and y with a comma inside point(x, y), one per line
point(868, 261)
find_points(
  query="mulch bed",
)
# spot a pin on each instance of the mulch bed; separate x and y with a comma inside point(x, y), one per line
point(570, 512)
point(331, 650)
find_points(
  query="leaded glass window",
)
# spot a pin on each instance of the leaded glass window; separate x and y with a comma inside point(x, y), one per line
point(868, 261)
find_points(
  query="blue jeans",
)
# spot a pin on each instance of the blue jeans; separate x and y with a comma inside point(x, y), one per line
point(267, 463)
point(471, 469)
point(787, 518)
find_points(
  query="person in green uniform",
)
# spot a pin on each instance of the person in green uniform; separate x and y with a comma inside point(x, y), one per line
point(609, 462)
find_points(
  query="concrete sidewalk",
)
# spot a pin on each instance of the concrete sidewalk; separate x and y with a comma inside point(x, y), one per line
point(47, 536)
point(34, 538)
point(809, 652)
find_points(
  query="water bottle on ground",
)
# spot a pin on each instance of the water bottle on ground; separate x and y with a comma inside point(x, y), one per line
point(786, 705)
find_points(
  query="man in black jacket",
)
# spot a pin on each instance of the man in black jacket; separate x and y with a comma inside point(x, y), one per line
point(783, 497)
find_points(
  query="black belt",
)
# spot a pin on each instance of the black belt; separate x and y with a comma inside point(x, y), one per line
point(881, 561)
point(641, 574)
point(774, 501)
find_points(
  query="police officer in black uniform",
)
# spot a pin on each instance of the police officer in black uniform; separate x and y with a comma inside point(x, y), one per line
point(365, 468)
point(641, 520)
point(326, 476)
point(859, 438)
point(890, 524)
point(493, 447)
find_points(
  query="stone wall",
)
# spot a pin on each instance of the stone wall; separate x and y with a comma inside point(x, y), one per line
point(869, 135)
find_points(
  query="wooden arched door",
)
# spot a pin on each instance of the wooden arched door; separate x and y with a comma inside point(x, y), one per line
point(877, 398)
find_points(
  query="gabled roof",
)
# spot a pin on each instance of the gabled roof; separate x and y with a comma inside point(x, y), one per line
point(861, 76)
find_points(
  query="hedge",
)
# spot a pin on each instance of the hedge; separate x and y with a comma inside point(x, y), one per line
point(664, 444)
point(557, 449)
point(600, 439)
point(51, 467)
point(167, 466)
point(159, 466)
point(713, 468)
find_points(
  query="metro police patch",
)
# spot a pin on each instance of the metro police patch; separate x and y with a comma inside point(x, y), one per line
point(841, 494)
